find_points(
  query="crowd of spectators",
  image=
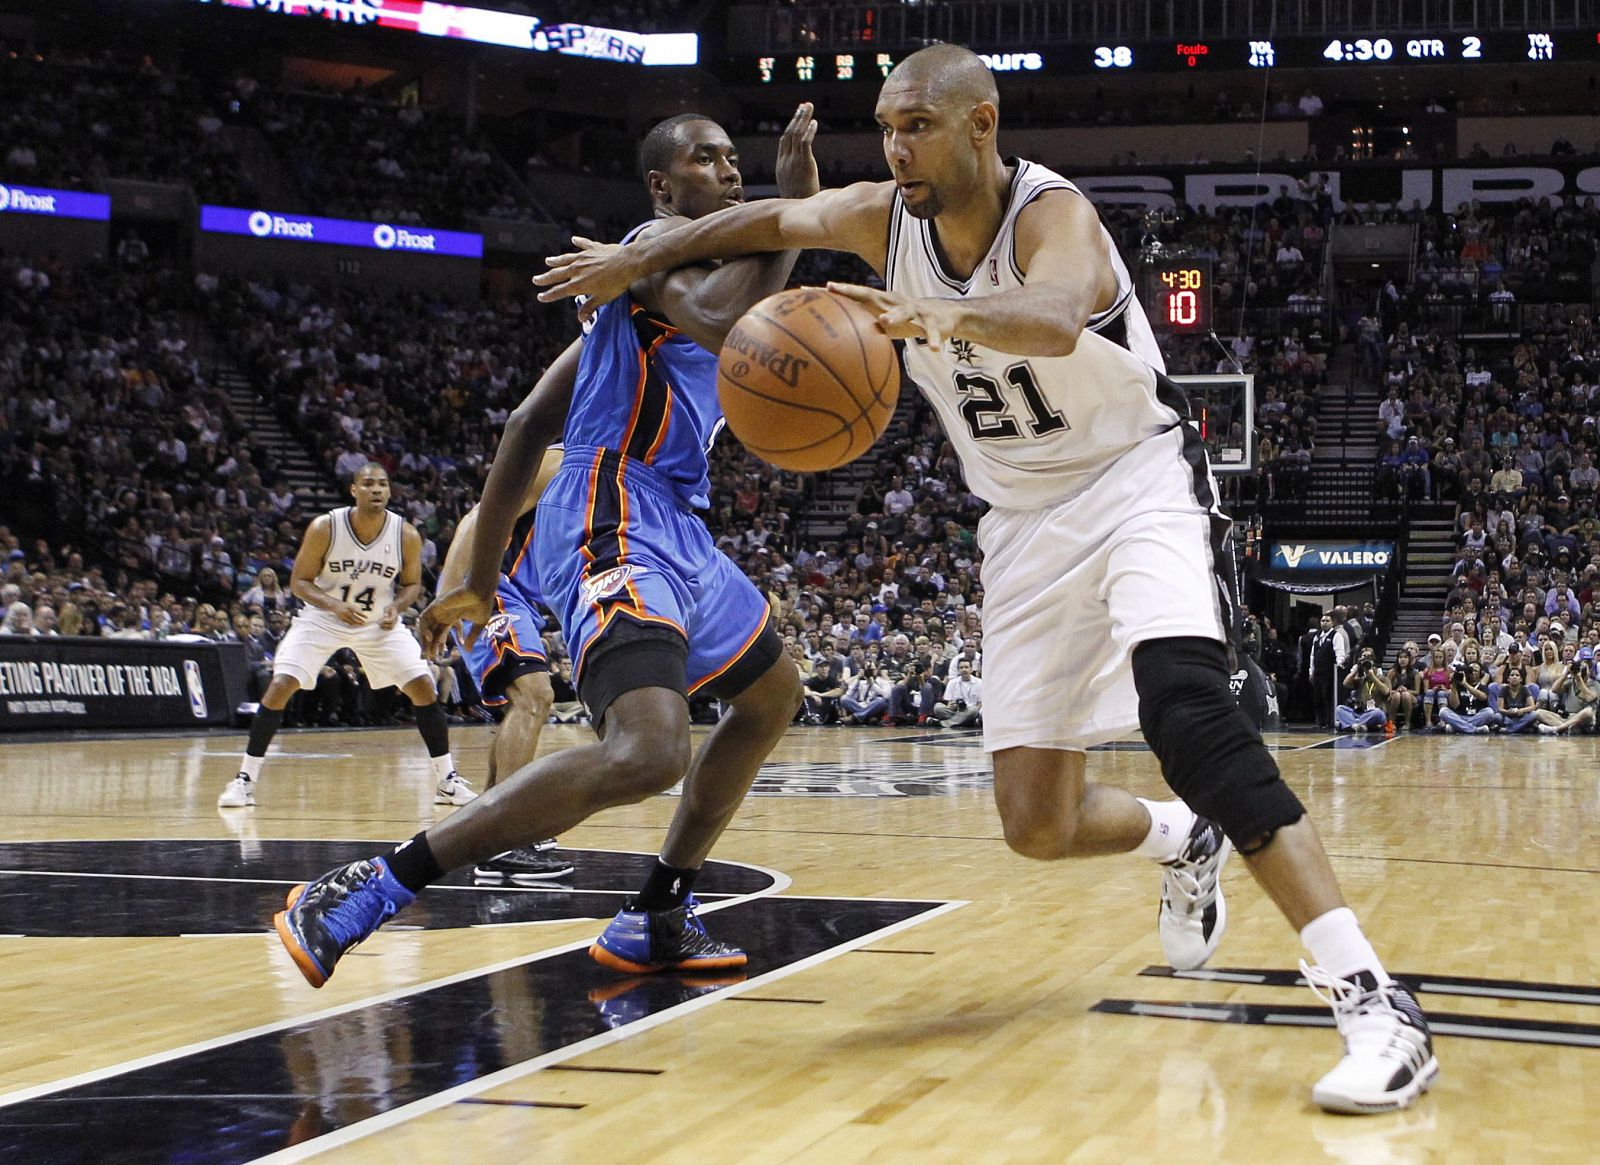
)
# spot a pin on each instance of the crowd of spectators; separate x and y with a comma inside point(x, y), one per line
point(73, 119)
point(1506, 430)
point(367, 156)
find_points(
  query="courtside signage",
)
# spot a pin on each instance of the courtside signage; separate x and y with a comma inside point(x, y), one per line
point(48, 203)
point(1332, 555)
point(342, 232)
point(482, 26)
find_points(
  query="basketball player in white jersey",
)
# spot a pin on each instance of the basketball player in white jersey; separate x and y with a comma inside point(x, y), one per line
point(1103, 545)
point(357, 569)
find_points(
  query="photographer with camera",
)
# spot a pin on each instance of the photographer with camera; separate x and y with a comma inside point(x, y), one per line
point(1367, 692)
point(867, 698)
point(963, 699)
point(1469, 713)
point(1575, 695)
point(1405, 689)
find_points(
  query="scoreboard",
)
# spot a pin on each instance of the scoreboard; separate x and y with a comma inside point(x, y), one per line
point(1355, 49)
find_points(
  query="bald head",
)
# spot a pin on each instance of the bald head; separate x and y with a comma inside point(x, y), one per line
point(949, 75)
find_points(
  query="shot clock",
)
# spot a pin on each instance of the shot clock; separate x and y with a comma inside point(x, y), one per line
point(1178, 295)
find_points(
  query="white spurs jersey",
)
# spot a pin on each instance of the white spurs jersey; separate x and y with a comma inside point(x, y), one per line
point(1032, 430)
point(363, 574)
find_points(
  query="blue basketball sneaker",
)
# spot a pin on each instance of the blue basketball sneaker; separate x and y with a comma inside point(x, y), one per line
point(340, 909)
point(642, 941)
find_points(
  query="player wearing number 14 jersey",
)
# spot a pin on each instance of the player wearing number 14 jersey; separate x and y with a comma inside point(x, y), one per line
point(358, 568)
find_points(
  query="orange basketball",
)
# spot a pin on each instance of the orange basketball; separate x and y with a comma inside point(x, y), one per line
point(807, 379)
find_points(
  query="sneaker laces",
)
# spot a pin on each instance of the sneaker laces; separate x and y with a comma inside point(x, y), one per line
point(361, 909)
point(1366, 1018)
point(1182, 887)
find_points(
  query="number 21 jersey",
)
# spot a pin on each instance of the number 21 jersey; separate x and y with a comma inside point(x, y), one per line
point(1031, 431)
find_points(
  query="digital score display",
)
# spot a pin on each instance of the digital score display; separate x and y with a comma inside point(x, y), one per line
point(1361, 49)
point(1178, 295)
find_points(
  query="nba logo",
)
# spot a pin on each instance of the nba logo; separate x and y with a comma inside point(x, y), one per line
point(197, 689)
point(994, 272)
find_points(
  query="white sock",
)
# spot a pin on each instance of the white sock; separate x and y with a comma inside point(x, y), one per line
point(1170, 823)
point(251, 766)
point(1338, 946)
point(443, 766)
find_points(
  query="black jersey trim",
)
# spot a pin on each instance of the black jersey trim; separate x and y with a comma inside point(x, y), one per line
point(932, 252)
point(351, 526)
point(1016, 212)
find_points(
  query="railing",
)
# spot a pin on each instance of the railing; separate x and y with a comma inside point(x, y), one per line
point(1030, 23)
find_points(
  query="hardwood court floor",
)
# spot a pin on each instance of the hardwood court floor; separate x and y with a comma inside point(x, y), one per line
point(970, 1035)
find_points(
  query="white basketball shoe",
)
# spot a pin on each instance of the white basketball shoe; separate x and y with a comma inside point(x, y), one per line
point(1388, 1050)
point(240, 793)
point(453, 790)
point(1193, 912)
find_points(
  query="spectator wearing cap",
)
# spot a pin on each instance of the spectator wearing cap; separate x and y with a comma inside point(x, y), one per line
point(1414, 472)
point(822, 692)
point(1447, 469)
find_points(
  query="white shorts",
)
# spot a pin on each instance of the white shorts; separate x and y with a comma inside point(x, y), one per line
point(1071, 589)
point(388, 657)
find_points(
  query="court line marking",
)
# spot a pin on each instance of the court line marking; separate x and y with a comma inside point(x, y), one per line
point(471, 1088)
point(781, 882)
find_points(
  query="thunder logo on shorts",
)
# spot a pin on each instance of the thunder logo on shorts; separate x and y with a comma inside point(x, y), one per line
point(510, 645)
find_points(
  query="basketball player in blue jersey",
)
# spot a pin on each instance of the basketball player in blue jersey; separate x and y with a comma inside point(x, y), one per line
point(650, 609)
point(507, 660)
point(1105, 608)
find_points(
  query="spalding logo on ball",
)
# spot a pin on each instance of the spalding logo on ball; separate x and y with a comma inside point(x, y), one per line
point(807, 379)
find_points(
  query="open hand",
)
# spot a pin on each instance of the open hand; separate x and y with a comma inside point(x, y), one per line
point(455, 606)
point(797, 165)
point(597, 271)
point(902, 317)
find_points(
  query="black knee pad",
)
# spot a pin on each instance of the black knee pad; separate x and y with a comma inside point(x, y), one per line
point(1210, 753)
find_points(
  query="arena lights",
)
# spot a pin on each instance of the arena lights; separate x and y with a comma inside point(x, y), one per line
point(341, 232)
point(483, 26)
point(49, 203)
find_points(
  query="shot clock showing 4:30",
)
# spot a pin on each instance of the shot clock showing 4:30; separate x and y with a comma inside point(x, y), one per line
point(1179, 294)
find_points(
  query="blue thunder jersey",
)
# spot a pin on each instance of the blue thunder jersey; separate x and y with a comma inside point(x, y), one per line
point(649, 393)
point(510, 645)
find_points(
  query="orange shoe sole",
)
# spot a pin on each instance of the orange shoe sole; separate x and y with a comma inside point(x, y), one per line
point(302, 958)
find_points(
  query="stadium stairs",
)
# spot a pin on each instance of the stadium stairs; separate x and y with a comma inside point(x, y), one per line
point(314, 489)
point(834, 498)
point(1341, 502)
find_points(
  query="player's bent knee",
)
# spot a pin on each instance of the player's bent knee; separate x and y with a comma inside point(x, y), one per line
point(1038, 795)
point(531, 695)
point(1210, 754)
point(638, 766)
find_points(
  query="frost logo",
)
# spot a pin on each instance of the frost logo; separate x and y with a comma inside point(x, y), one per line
point(1293, 554)
point(383, 236)
point(260, 224)
point(5, 198)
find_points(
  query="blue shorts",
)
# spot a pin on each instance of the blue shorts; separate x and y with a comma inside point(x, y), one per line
point(510, 645)
point(614, 547)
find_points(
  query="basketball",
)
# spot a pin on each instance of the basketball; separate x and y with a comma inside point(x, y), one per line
point(807, 380)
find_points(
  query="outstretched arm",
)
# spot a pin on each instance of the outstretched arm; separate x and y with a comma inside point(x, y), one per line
point(854, 219)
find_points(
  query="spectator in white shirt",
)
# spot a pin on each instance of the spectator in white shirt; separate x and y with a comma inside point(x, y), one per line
point(898, 500)
point(962, 705)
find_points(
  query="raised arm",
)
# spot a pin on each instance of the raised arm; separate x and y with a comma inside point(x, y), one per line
point(855, 219)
